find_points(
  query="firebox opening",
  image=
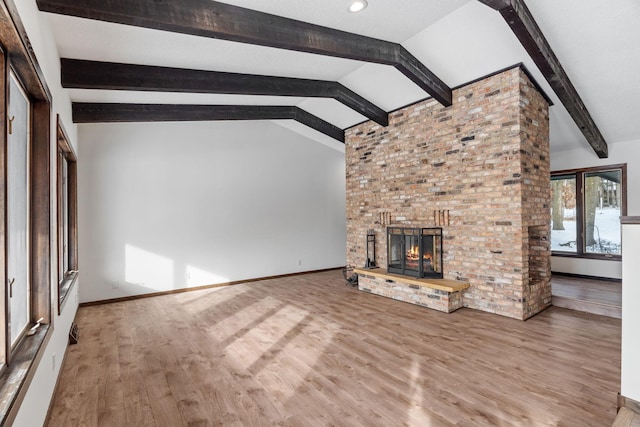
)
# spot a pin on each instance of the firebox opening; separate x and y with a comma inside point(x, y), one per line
point(415, 252)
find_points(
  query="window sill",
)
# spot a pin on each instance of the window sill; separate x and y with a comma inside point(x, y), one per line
point(16, 377)
point(588, 256)
point(64, 288)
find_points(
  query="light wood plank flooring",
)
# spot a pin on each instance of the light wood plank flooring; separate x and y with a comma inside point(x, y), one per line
point(595, 296)
point(310, 351)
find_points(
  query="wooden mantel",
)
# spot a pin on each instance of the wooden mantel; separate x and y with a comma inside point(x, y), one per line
point(438, 294)
point(440, 284)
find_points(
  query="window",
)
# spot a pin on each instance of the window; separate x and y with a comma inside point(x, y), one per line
point(25, 213)
point(67, 215)
point(586, 206)
point(24, 219)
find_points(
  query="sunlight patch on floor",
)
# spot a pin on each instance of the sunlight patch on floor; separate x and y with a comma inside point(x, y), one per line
point(416, 413)
point(260, 339)
point(245, 317)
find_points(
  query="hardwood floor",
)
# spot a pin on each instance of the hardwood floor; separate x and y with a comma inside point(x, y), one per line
point(602, 297)
point(310, 351)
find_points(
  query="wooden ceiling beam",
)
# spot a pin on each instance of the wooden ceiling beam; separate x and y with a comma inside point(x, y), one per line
point(85, 112)
point(212, 19)
point(524, 26)
point(82, 74)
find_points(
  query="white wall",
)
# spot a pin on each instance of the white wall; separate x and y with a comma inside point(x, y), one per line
point(619, 152)
point(630, 385)
point(172, 205)
point(34, 407)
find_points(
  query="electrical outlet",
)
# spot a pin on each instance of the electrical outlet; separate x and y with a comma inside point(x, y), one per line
point(115, 284)
point(299, 262)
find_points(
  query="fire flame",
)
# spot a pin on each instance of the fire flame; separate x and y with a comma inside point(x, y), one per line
point(413, 253)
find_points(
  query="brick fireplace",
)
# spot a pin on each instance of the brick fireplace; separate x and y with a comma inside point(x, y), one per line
point(484, 161)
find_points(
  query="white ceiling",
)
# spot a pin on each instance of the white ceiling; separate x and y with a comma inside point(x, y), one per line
point(598, 44)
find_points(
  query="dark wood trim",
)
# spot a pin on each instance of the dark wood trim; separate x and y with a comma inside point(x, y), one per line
point(626, 402)
point(197, 288)
point(65, 153)
point(589, 169)
point(412, 68)
point(580, 216)
point(524, 26)
point(622, 166)
point(584, 276)
point(16, 378)
point(83, 74)
point(63, 139)
point(85, 112)
point(497, 4)
point(38, 193)
point(64, 289)
point(23, 58)
point(318, 124)
point(59, 215)
point(116, 113)
point(70, 156)
point(630, 220)
point(579, 175)
point(14, 381)
point(623, 211)
point(586, 255)
point(41, 211)
point(206, 18)
point(357, 103)
point(73, 214)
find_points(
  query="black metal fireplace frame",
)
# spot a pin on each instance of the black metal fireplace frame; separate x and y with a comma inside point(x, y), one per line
point(422, 232)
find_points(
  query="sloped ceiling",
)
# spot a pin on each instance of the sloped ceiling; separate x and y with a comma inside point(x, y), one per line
point(597, 43)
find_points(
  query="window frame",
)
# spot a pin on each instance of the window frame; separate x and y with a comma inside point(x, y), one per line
point(66, 274)
point(19, 366)
point(580, 174)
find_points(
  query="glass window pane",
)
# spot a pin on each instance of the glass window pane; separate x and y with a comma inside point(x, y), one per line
point(65, 217)
point(602, 210)
point(18, 211)
point(563, 214)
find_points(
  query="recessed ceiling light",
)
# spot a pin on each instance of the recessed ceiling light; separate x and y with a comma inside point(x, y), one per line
point(357, 6)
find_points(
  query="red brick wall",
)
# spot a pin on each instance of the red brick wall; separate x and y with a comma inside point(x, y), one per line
point(485, 159)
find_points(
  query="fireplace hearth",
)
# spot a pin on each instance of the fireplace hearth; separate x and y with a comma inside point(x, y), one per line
point(415, 252)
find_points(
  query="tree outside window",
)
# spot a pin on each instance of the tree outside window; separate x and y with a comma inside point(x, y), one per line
point(563, 214)
point(585, 211)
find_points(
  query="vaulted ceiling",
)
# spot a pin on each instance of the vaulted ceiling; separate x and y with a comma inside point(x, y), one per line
point(134, 61)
